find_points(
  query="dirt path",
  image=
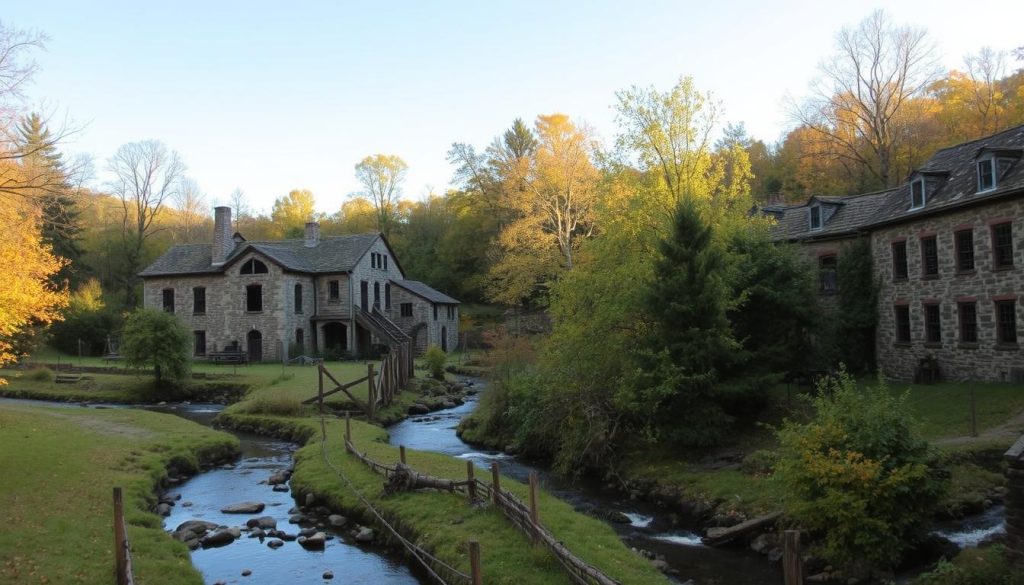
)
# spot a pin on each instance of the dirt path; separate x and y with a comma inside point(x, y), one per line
point(1007, 432)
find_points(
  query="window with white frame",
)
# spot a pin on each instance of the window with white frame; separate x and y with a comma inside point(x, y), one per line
point(986, 174)
point(917, 195)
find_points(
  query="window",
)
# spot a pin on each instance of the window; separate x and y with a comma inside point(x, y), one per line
point(199, 300)
point(253, 266)
point(968, 322)
point(917, 198)
point(827, 274)
point(435, 312)
point(387, 295)
point(376, 295)
point(986, 175)
point(932, 324)
point(300, 338)
point(298, 298)
point(1006, 322)
point(899, 260)
point(929, 256)
point(964, 250)
point(1002, 246)
point(373, 259)
point(816, 217)
point(451, 312)
point(254, 298)
point(385, 262)
point(199, 343)
point(169, 300)
point(406, 309)
point(333, 290)
point(902, 314)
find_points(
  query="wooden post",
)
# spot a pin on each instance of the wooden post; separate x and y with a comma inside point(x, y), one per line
point(320, 383)
point(401, 453)
point(474, 563)
point(495, 483)
point(348, 427)
point(534, 512)
point(120, 546)
point(471, 486)
point(792, 563)
point(371, 399)
point(974, 415)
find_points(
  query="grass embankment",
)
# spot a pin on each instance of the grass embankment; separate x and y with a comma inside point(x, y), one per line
point(441, 522)
point(59, 467)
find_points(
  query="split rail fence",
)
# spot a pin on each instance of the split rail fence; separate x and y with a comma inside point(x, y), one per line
point(383, 384)
point(524, 516)
point(122, 548)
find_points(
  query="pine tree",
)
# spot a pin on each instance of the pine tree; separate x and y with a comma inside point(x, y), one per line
point(61, 225)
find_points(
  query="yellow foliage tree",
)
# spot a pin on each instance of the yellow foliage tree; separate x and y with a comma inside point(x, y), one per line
point(26, 295)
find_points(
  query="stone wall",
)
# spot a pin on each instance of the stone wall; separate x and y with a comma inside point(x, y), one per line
point(1015, 502)
point(427, 329)
point(812, 251)
point(957, 361)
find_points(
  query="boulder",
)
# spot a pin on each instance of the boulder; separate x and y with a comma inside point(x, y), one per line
point(761, 543)
point(618, 517)
point(660, 565)
point(243, 508)
point(285, 536)
point(310, 499)
point(296, 519)
point(307, 532)
point(186, 504)
point(246, 572)
point(234, 531)
point(328, 575)
point(197, 527)
point(337, 520)
point(278, 478)
point(275, 543)
point(217, 538)
point(364, 535)
point(257, 533)
point(314, 542)
point(417, 408)
point(265, 522)
point(280, 488)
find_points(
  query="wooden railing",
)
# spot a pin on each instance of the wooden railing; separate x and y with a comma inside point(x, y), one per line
point(122, 549)
point(382, 385)
point(526, 517)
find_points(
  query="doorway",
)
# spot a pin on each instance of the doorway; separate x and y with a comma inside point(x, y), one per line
point(254, 340)
point(335, 338)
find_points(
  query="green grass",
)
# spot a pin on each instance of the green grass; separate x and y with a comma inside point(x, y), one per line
point(944, 409)
point(443, 522)
point(59, 467)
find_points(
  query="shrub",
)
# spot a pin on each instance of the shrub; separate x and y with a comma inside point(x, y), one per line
point(760, 462)
point(859, 473)
point(40, 375)
point(435, 358)
point(155, 338)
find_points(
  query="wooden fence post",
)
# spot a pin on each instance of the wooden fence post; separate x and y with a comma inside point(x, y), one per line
point(471, 486)
point(792, 563)
point(348, 429)
point(534, 512)
point(474, 563)
point(371, 391)
point(401, 453)
point(495, 483)
point(120, 559)
point(320, 394)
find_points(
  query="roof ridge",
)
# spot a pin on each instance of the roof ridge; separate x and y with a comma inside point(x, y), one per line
point(969, 142)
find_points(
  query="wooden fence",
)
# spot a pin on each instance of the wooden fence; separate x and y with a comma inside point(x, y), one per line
point(524, 516)
point(122, 549)
point(383, 384)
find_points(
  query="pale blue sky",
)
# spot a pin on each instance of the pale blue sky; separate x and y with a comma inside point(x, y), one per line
point(271, 96)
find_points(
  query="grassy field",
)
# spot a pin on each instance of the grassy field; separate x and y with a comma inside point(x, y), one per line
point(59, 467)
point(445, 522)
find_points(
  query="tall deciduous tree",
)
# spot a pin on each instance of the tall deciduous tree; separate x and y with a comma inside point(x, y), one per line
point(190, 203)
point(857, 103)
point(382, 176)
point(147, 175)
point(291, 212)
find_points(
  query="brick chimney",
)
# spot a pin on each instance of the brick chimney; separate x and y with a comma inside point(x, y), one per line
point(312, 234)
point(223, 243)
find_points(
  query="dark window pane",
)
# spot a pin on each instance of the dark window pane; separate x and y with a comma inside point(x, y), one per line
point(827, 275)
point(168, 300)
point(333, 290)
point(929, 256)
point(199, 300)
point(902, 313)
point(407, 309)
point(815, 217)
point(965, 251)
point(254, 266)
point(968, 322)
point(387, 294)
point(1006, 321)
point(298, 298)
point(917, 194)
point(199, 342)
point(932, 324)
point(986, 179)
point(899, 260)
point(254, 298)
point(1002, 245)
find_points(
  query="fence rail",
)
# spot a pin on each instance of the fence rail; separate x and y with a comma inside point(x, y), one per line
point(383, 383)
point(122, 548)
point(525, 517)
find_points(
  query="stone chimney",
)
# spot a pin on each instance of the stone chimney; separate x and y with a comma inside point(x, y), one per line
point(223, 243)
point(312, 234)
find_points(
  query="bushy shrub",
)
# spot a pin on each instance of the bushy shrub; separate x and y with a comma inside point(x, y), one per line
point(858, 473)
point(87, 320)
point(40, 375)
point(435, 358)
point(155, 338)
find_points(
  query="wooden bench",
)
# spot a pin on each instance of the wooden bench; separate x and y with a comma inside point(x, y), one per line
point(228, 357)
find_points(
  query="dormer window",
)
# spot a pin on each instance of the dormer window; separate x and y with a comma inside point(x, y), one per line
point(917, 196)
point(815, 217)
point(986, 174)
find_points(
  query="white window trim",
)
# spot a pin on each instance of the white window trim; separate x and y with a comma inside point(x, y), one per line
point(995, 173)
point(810, 217)
point(924, 194)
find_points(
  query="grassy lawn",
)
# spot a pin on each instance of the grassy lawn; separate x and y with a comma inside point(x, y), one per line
point(445, 522)
point(944, 410)
point(59, 467)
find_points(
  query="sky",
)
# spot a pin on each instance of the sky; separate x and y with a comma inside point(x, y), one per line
point(274, 96)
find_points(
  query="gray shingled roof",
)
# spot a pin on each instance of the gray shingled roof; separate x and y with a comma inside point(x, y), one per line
point(956, 169)
point(332, 254)
point(421, 290)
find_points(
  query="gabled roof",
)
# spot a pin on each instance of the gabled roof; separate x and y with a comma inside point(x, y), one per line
point(423, 291)
point(852, 214)
point(331, 254)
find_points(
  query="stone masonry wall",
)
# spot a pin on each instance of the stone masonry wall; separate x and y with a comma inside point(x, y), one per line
point(812, 251)
point(982, 361)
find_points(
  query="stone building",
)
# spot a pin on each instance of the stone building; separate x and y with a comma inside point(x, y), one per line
point(948, 255)
point(280, 299)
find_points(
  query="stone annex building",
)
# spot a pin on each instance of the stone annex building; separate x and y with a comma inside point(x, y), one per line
point(948, 255)
point(342, 294)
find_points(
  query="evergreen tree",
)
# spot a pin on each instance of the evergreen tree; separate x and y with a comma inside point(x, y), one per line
point(61, 225)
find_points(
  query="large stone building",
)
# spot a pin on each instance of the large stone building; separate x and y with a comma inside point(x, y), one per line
point(274, 300)
point(948, 255)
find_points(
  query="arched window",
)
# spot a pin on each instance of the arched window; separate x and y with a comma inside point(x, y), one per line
point(254, 266)
point(298, 298)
